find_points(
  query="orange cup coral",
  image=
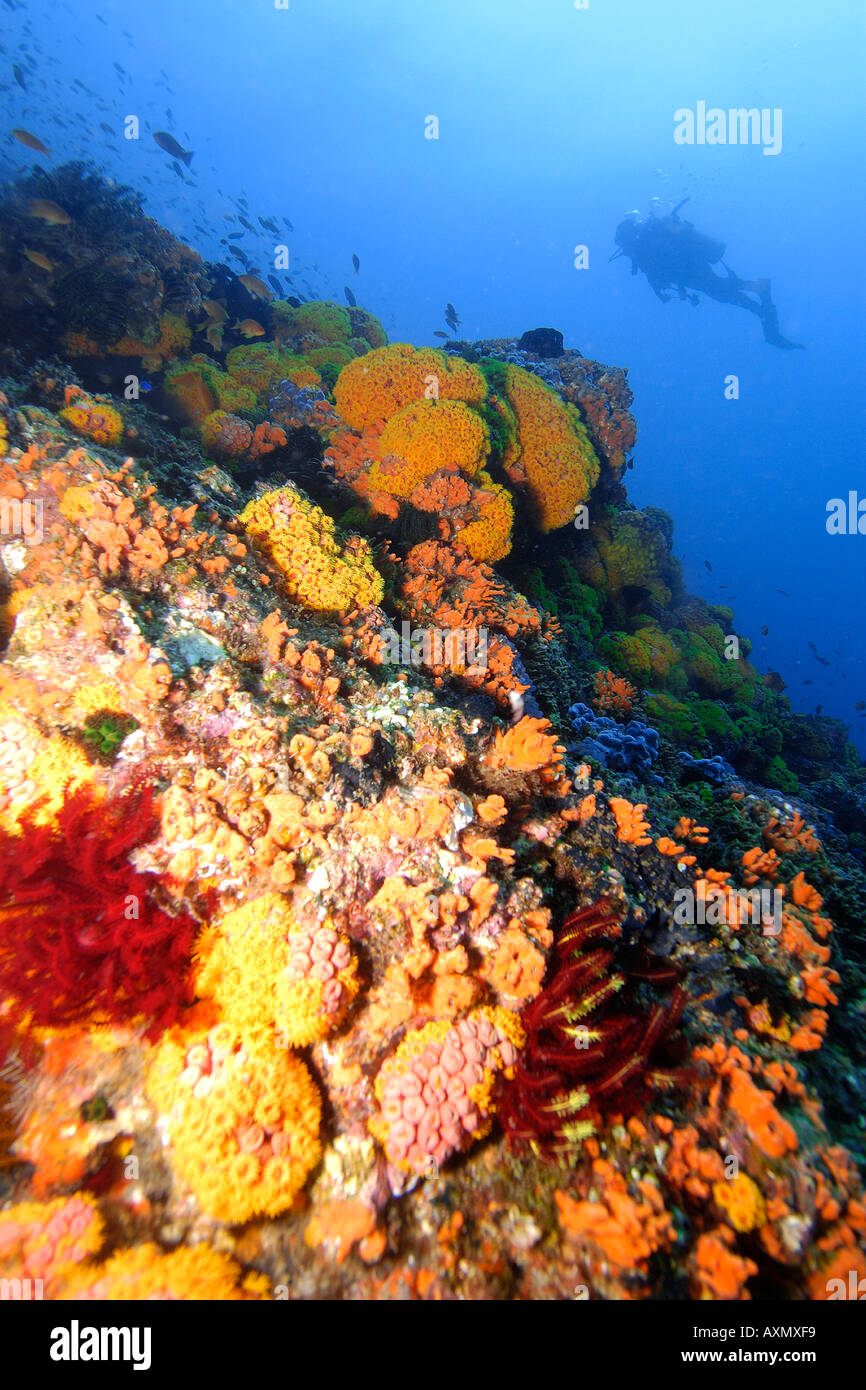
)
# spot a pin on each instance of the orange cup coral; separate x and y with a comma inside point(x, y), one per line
point(377, 385)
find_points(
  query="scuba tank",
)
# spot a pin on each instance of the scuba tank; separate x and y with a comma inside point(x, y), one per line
point(703, 247)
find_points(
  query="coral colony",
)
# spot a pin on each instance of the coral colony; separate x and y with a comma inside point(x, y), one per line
point(404, 890)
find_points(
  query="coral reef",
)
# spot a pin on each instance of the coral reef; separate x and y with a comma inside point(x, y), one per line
point(631, 747)
point(435, 1091)
point(404, 892)
point(300, 539)
point(80, 938)
point(243, 1119)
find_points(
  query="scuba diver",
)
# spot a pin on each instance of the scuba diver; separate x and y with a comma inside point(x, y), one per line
point(674, 256)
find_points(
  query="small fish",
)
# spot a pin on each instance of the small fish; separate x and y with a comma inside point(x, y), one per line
point(38, 259)
point(250, 328)
point(236, 236)
point(287, 223)
point(294, 301)
point(709, 566)
point(214, 335)
point(356, 263)
point(239, 255)
point(25, 138)
point(19, 76)
point(46, 211)
point(783, 592)
point(861, 704)
point(350, 298)
point(109, 129)
point(255, 286)
point(215, 309)
point(817, 655)
point(808, 682)
point(169, 144)
point(437, 333)
point(244, 223)
point(765, 632)
point(145, 386)
point(272, 280)
point(451, 317)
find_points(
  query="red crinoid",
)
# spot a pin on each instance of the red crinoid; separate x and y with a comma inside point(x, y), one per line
point(80, 935)
point(580, 1057)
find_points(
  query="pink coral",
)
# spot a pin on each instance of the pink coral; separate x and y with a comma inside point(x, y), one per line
point(19, 745)
point(43, 1240)
point(225, 436)
point(434, 1092)
point(318, 954)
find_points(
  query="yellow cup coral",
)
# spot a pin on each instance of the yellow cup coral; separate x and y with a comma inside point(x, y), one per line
point(300, 539)
point(94, 420)
point(552, 455)
point(269, 974)
point(377, 385)
point(424, 436)
point(488, 537)
point(741, 1200)
point(243, 1119)
point(145, 1273)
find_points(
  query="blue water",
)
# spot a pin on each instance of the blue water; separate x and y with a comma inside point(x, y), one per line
point(552, 122)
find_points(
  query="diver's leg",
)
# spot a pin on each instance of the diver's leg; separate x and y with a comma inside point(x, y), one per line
point(758, 287)
point(728, 291)
point(770, 325)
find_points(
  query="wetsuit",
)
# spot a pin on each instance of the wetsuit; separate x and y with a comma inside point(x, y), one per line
point(674, 256)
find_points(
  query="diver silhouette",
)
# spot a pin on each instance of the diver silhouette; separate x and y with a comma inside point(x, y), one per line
point(675, 257)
